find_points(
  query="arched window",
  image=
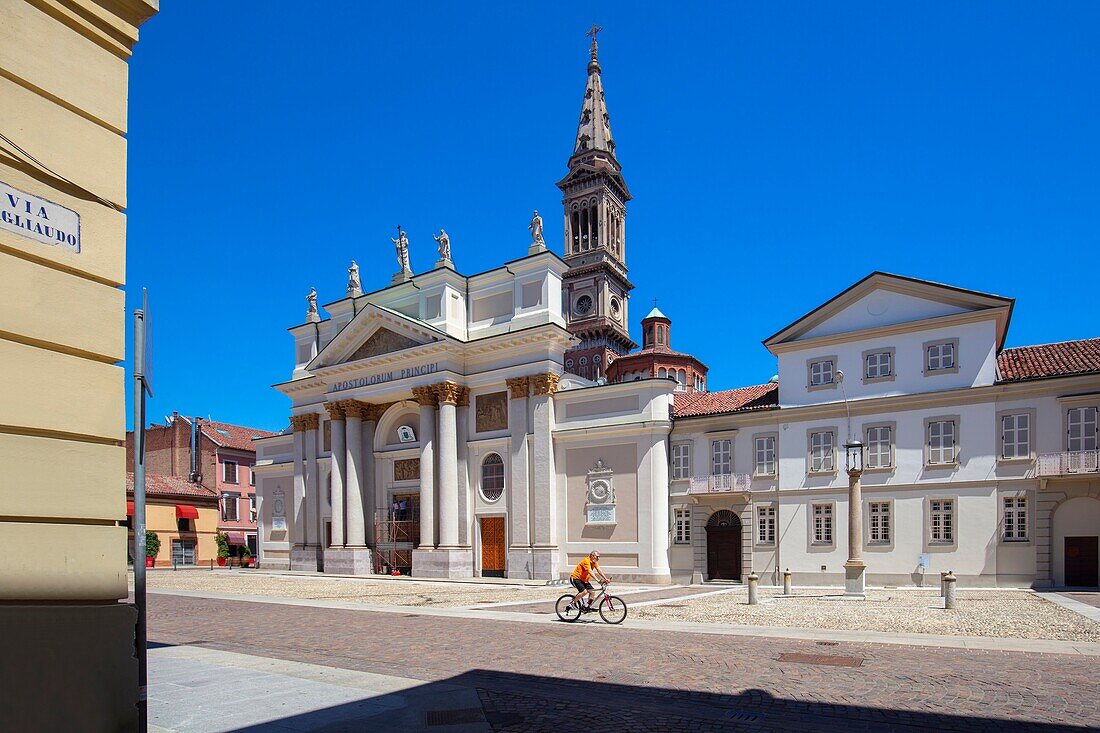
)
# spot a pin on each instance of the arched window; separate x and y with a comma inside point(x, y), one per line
point(681, 377)
point(662, 372)
point(492, 477)
point(660, 334)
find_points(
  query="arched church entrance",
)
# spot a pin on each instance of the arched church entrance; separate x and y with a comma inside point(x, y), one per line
point(723, 546)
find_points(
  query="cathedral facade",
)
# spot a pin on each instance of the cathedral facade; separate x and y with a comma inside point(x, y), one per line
point(455, 426)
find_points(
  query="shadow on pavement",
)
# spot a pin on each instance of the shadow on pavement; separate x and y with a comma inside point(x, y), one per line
point(530, 704)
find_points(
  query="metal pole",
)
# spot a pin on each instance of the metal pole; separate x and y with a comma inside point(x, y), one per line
point(139, 515)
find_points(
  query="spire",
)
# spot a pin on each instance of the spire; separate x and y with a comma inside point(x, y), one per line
point(594, 128)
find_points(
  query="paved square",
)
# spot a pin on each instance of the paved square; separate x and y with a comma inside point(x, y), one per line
point(542, 676)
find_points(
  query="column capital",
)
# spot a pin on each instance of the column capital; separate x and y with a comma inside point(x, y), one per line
point(425, 396)
point(544, 384)
point(354, 408)
point(463, 397)
point(301, 423)
point(335, 410)
point(448, 392)
point(518, 387)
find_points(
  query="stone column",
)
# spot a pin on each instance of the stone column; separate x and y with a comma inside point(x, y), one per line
point(370, 497)
point(339, 469)
point(462, 410)
point(543, 497)
point(520, 562)
point(426, 398)
point(313, 527)
point(448, 466)
point(353, 491)
point(659, 506)
point(299, 516)
point(854, 568)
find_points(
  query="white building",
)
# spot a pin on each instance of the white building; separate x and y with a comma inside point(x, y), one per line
point(978, 459)
point(451, 425)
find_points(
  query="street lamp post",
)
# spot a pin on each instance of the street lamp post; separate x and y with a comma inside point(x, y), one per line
point(854, 568)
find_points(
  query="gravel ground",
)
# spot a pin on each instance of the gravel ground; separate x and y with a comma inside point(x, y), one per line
point(374, 592)
point(1002, 613)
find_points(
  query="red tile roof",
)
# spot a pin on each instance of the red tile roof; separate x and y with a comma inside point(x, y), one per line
point(1063, 359)
point(157, 484)
point(694, 404)
point(236, 437)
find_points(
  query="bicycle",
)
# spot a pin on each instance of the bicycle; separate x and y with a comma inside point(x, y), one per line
point(612, 608)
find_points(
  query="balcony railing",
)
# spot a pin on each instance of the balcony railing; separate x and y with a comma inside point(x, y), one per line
point(721, 483)
point(1068, 463)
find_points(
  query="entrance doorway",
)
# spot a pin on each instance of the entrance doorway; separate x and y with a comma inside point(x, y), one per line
point(492, 547)
point(724, 546)
point(1082, 561)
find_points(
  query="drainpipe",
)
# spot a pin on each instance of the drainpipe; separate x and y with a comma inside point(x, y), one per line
point(194, 477)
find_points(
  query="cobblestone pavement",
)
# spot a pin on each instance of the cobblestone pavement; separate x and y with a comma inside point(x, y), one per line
point(548, 677)
point(629, 595)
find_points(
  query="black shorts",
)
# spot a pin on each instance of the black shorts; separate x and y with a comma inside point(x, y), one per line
point(581, 585)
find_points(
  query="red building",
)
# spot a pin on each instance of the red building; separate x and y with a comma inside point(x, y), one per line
point(657, 359)
point(217, 456)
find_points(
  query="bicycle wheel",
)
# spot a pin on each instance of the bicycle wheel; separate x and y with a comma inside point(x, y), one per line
point(565, 611)
point(613, 610)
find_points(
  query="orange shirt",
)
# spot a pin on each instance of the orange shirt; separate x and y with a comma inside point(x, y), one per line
point(583, 571)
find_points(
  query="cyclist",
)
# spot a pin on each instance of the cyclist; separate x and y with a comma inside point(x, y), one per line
point(584, 570)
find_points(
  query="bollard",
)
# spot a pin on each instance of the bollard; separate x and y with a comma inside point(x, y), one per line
point(753, 580)
point(787, 582)
point(943, 583)
point(949, 591)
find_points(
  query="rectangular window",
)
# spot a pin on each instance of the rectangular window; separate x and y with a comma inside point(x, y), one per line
point(823, 524)
point(765, 525)
point(821, 451)
point(251, 475)
point(229, 507)
point(940, 356)
point(941, 442)
point(878, 365)
point(1015, 518)
point(880, 522)
point(681, 461)
point(1081, 429)
point(880, 449)
point(252, 508)
point(822, 372)
point(721, 458)
point(682, 531)
point(942, 517)
point(1016, 436)
point(764, 452)
point(229, 472)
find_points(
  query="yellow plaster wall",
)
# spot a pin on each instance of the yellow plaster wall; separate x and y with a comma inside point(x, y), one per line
point(161, 518)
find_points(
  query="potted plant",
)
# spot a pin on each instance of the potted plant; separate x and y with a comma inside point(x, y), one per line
point(246, 558)
point(222, 539)
point(152, 548)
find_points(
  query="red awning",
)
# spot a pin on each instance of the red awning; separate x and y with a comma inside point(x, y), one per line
point(129, 508)
point(236, 538)
point(186, 511)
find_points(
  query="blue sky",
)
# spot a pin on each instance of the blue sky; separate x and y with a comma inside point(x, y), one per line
point(777, 153)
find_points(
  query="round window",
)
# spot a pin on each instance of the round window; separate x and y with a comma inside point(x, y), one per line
point(584, 360)
point(596, 359)
point(583, 306)
point(492, 477)
point(569, 362)
point(615, 307)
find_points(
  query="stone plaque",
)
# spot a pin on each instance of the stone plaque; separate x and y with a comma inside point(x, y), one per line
point(39, 219)
point(601, 513)
point(406, 469)
point(491, 412)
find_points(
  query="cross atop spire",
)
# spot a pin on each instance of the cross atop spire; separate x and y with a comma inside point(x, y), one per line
point(594, 31)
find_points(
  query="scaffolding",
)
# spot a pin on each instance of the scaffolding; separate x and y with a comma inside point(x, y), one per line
point(396, 534)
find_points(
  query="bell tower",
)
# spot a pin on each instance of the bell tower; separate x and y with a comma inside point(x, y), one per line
point(595, 287)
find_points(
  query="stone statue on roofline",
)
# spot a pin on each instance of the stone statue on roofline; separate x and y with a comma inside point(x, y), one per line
point(355, 287)
point(312, 316)
point(538, 243)
point(444, 249)
point(402, 246)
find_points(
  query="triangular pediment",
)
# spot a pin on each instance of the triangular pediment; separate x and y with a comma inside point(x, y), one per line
point(374, 332)
point(383, 341)
point(882, 300)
